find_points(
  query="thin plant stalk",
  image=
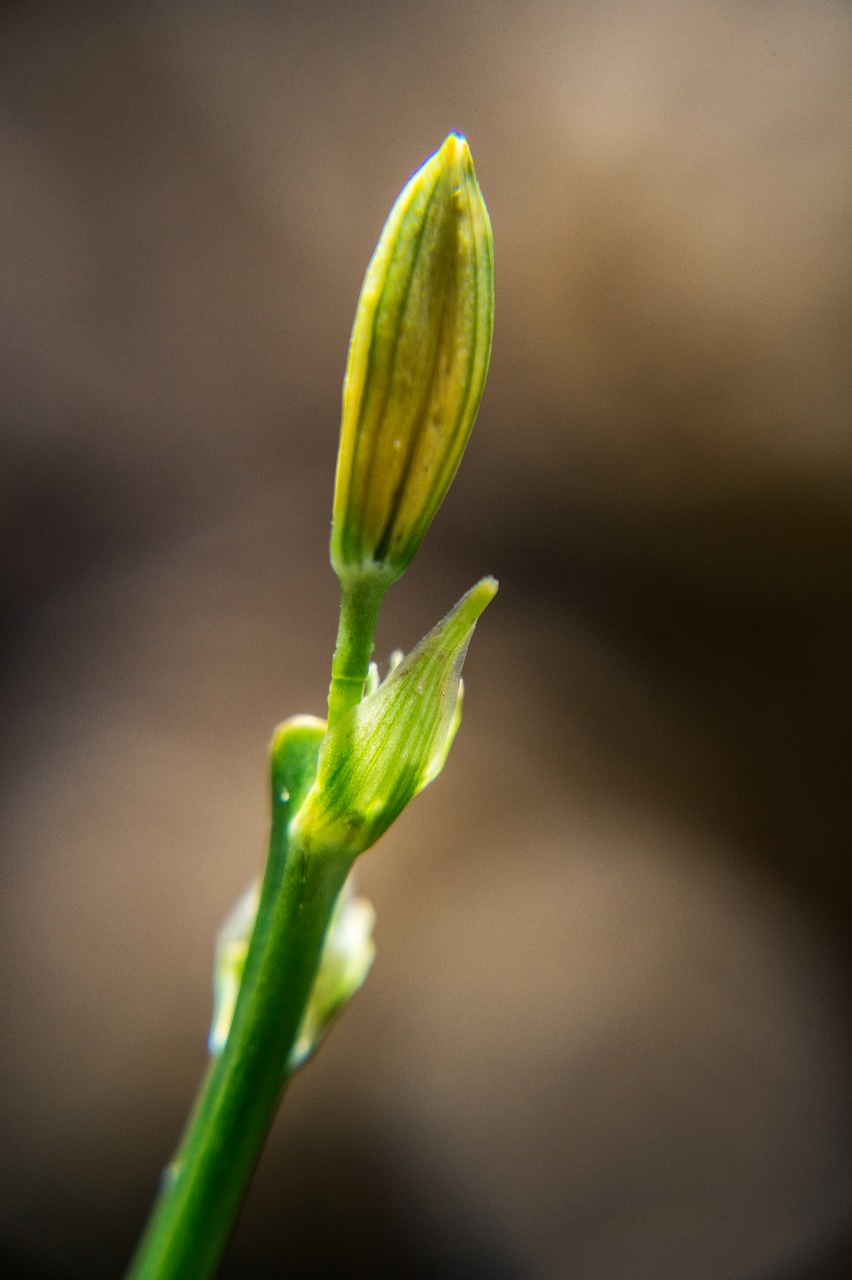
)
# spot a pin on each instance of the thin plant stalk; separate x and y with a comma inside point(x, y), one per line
point(204, 1186)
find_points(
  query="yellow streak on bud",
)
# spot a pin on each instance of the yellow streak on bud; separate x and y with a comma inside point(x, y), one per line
point(418, 360)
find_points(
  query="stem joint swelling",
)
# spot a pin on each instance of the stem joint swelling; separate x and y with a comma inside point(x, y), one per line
point(361, 596)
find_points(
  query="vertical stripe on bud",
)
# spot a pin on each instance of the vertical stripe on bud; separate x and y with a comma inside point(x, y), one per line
point(418, 359)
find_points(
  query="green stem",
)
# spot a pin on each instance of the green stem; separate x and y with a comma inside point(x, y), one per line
point(203, 1188)
point(360, 598)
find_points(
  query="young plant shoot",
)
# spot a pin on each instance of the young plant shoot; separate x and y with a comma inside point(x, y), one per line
point(297, 947)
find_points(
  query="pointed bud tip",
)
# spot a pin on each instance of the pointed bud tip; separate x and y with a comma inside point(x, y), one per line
point(455, 158)
point(480, 596)
point(457, 626)
point(454, 147)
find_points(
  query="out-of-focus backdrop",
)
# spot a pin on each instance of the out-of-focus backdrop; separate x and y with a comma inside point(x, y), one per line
point(607, 1032)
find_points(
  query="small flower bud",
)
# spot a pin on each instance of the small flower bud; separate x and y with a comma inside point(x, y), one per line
point(347, 956)
point(232, 946)
point(391, 744)
point(418, 359)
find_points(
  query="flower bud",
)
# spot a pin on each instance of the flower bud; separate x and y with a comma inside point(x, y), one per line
point(418, 359)
point(232, 946)
point(347, 955)
point(389, 746)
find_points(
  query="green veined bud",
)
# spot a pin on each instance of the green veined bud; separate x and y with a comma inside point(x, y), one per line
point(393, 743)
point(418, 359)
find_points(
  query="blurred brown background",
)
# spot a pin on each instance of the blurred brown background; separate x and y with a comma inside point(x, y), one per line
point(607, 1030)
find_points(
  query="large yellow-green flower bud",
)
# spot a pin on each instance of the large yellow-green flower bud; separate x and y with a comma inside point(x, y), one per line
point(389, 746)
point(418, 359)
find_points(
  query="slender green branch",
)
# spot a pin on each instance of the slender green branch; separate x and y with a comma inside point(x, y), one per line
point(204, 1186)
point(361, 596)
